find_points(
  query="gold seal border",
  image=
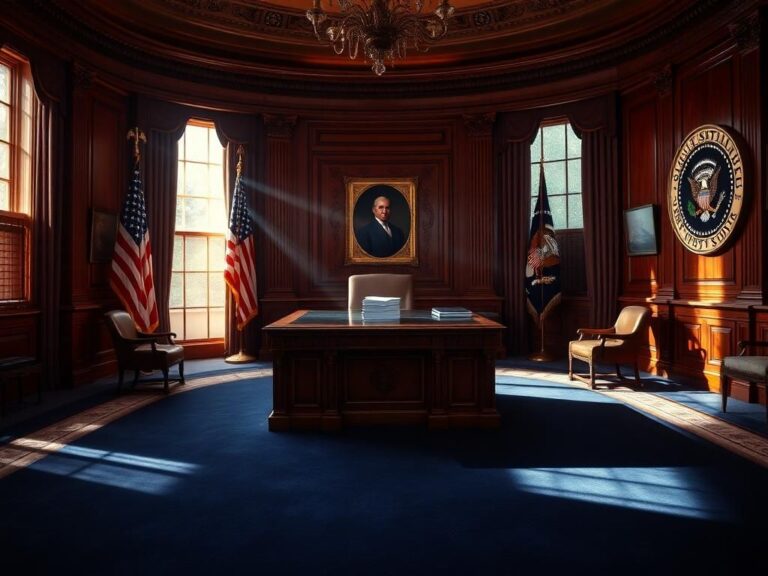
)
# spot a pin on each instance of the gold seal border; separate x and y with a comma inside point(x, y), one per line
point(727, 142)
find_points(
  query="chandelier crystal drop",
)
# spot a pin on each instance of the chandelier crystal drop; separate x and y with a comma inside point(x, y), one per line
point(381, 29)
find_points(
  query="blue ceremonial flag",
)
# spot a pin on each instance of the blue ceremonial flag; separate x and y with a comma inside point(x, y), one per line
point(542, 268)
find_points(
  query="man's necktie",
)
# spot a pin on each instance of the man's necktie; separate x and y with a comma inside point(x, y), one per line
point(387, 230)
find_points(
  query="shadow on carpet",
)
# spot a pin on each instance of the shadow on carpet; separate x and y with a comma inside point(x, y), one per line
point(196, 484)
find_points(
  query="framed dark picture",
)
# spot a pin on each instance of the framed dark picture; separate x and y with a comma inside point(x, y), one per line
point(640, 226)
point(103, 234)
point(381, 221)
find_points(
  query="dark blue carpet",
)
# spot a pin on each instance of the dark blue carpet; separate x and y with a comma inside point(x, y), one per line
point(572, 482)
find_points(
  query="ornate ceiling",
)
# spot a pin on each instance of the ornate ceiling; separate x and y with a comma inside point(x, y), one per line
point(270, 44)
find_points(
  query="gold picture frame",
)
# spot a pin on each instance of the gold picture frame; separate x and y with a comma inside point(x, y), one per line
point(361, 194)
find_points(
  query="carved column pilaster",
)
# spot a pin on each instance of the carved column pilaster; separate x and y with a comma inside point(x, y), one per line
point(280, 170)
point(470, 225)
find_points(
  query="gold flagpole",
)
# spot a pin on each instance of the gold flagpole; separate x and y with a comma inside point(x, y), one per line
point(241, 357)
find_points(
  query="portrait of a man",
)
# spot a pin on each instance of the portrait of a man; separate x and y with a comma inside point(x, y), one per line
point(381, 237)
point(381, 221)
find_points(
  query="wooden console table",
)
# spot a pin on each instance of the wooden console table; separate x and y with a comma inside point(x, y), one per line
point(332, 369)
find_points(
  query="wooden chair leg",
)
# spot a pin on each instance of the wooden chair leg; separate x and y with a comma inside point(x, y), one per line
point(570, 365)
point(637, 375)
point(181, 372)
point(592, 374)
point(165, 380)
point(120, 375)
point(618, 372)
point(724, 384)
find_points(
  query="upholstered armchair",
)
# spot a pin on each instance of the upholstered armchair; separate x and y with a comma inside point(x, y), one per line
point(619, 344)
point(394, 285)
point(750, 369)
point(142, 352)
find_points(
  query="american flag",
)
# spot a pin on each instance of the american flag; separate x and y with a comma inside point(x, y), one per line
point(240, 273)
point(131, 275)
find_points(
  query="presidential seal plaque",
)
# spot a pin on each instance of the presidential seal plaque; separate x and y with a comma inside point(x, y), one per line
point(706, 189)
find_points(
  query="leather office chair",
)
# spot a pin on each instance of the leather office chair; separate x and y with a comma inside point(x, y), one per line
point(750, 369)
point(142, 352)
point(361, 285)
point(617, 345)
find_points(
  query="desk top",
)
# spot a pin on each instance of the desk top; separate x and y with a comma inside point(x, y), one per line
point(352, 320)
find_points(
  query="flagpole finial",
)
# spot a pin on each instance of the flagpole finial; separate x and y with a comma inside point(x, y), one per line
point(240, 154)
point(137, 136)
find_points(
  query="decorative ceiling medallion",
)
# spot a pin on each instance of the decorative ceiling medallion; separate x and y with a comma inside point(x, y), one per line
point(706, 189)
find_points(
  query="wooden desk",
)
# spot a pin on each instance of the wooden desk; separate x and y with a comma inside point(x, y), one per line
point(332, 369)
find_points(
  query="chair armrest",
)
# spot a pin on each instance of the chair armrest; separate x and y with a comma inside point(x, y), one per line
point(744, 344)
point(593, 332)
point(156, 335)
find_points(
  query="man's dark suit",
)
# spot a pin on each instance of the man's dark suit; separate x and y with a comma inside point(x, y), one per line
point(376, 242)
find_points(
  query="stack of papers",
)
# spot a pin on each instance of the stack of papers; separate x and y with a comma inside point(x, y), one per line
point(381, 308)
point(451, 313)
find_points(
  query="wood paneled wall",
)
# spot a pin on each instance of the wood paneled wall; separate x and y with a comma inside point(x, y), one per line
point(466, 244)
point(703, 305)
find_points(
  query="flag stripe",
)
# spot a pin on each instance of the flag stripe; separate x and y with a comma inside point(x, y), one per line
point(240, 271)
point(131, 272)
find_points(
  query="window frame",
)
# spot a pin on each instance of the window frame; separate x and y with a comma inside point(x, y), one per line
point(20, 198)
point(183, 234)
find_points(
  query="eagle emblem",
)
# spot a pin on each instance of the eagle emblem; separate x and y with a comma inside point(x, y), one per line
point(703, 181)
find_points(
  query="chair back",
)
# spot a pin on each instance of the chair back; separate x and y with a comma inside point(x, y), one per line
point(122, 329)
point(394, 285)
point(631, 320)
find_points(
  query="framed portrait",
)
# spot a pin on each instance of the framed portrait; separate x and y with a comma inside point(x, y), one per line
point(103, 234)
point(640, 228)
point(381, 221)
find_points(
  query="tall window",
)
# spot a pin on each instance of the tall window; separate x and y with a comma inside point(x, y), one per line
point(559, 149)
point(197, 282)
point(16, 112)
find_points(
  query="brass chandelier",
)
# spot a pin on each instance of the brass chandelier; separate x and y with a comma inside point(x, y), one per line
point(383, 29)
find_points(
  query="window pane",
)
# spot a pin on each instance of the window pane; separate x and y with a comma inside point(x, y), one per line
point(180, 215)
point(218, 216)
point(177, 323)
point(215, 149)
point(536, 148)
point(574, 142)
point(216, 253)
point(5, 198)
point(553, 138)
point(557, 205)
point(178, 253)
point(176, 298)
point(5, 84)
point(535, 169)
point(5, 123)
point(182, 147)
point(195, 214)
point(5, 161)
point(217, 323)
point(575, 212)
point(197, 324)
point(216, 288)
point(216, 182)
point(555, 177)
point(196, 289)
point(574, 176)
point(196, 144)
point(196, 179)
point(196, 256)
